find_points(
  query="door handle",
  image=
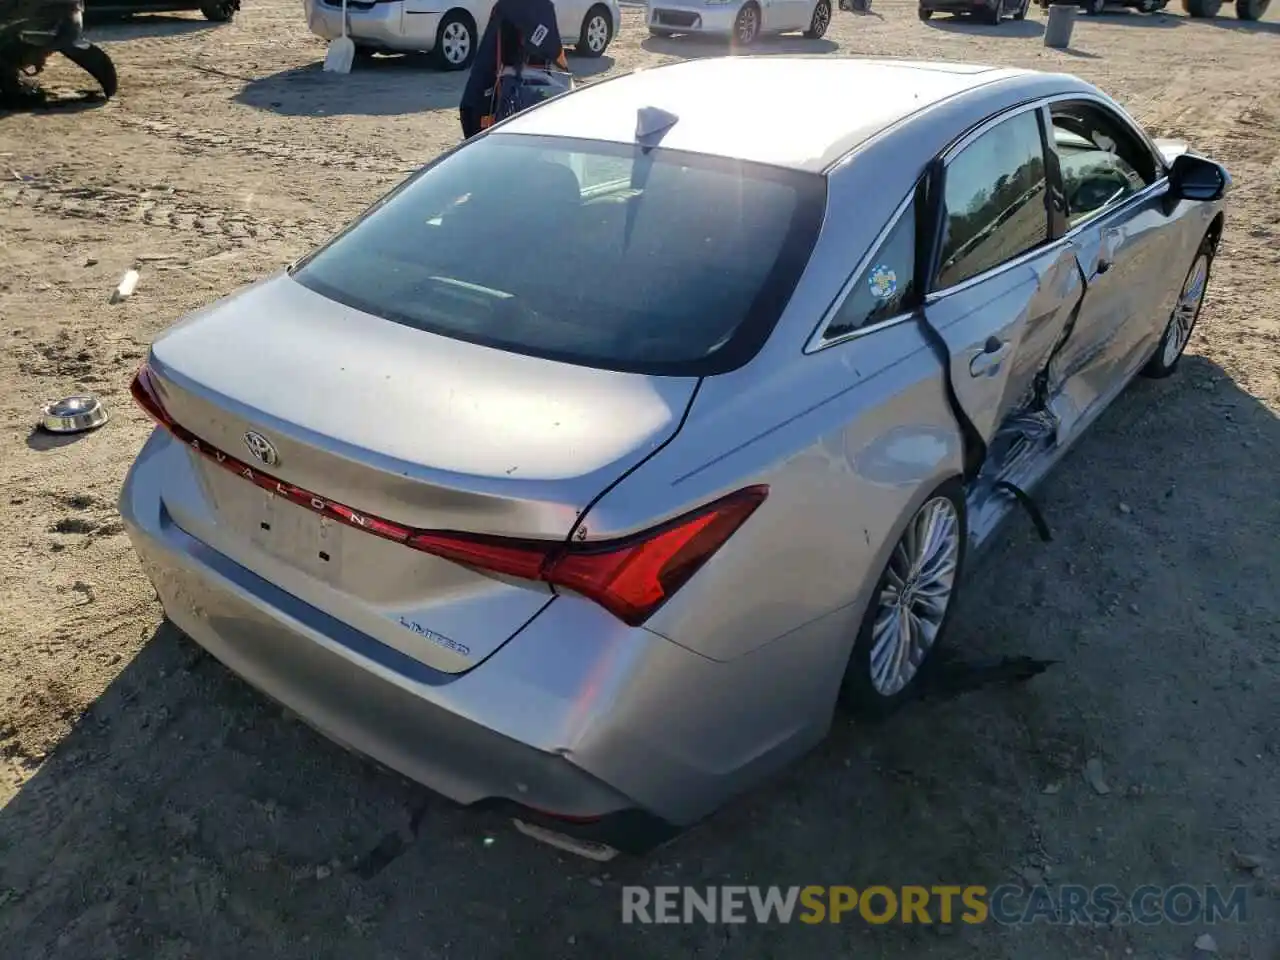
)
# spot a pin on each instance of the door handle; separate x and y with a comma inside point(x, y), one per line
point(987, 363)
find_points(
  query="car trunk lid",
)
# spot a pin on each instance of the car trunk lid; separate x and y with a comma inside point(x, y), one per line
point(330, 409)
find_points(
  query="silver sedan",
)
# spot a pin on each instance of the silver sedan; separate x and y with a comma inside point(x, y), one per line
point(588, 471)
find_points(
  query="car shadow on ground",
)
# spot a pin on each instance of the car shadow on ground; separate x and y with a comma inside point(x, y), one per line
point(381, 86)
point(117, 29)
point(689, 46)
point(1011, 29)
point(1245, 26)
point(589, 66)
point(185, 815)
point(1128, 17)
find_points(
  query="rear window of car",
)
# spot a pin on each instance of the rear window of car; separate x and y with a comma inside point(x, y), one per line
point(583, 251)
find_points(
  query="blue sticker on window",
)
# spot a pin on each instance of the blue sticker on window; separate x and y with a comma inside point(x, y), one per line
point(883, 282)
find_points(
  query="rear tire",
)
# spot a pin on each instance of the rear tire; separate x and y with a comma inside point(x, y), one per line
point(1173, 343)
point(863, 691)
point(1095, 8)
point(596, 33)
point(924, 13)
point(820, 20)
point(456, 41)
point(746, 26)
point(1021, 12)
point(1251, 9)
point(1202, 9)
point(993, 17)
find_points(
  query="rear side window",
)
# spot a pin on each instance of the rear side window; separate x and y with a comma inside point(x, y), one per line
point(995, 200)
point(589, 252)
point(885, 287)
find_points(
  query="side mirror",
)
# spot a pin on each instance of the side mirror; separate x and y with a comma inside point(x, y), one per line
point(1195, 178)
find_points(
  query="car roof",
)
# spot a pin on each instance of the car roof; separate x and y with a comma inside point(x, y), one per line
point(790, 111)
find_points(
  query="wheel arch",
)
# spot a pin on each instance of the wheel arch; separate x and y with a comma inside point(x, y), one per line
point(1214, 233)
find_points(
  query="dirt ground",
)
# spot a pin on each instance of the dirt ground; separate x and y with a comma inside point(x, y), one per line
point(156, 807)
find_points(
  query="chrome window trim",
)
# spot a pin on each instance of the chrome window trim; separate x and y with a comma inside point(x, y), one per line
point(1018, 261)
point(817, 341)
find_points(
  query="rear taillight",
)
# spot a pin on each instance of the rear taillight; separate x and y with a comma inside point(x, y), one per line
point(630, 578)
point(145, 395)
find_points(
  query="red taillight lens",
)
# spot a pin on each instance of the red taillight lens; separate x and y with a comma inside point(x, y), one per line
point(514, 558)
point(144, 394)
point(631, 578)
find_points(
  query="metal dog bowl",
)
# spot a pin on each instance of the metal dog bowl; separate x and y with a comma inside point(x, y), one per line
point(73, 415)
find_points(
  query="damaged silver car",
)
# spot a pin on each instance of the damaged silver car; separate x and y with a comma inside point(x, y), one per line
point(594, 465)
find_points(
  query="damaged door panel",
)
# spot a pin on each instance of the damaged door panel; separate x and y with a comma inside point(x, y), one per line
point(1007, 294)
point(1001, 332)
point(1112, 185)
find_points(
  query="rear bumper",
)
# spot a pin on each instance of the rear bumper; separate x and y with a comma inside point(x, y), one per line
point(358, 692)
point(606, 732)
point(383, 24)
point(715, 19)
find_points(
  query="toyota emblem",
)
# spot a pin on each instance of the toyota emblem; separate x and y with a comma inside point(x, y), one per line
point(261, 448)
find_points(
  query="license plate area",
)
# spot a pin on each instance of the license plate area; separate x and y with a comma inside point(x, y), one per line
point(296, 536)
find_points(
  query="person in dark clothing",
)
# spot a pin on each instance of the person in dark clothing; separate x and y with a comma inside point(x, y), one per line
point(512, 52)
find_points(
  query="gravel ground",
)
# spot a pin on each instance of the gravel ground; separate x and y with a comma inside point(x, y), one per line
point(156, 807)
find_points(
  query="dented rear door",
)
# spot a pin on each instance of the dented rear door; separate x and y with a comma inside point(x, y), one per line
point(1004, 291)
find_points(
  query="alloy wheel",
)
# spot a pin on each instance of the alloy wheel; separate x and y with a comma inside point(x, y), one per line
point(1185, 311)
point(914, 596)
point(821, 19)
point(747, 25)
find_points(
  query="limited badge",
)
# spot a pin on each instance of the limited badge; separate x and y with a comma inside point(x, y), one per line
point(883, 282)
point(538, 35)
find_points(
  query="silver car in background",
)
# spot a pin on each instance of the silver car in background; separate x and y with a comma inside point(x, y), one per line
point(742, 21)
point(450, 30)
point(590, 469)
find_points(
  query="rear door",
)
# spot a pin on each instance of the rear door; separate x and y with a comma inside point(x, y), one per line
point(1003, 290)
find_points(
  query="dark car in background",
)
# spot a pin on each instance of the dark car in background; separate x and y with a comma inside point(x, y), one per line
point(219, 11)
point(988, 11)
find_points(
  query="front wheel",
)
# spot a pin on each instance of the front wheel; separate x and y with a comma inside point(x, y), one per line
point(924, 13)
point(820, 20)
point(1251, 9)
point(1095, 8)
point(597, 32)
point(455, 41)
point(1202, 9)
point(993, 16)
point(746, 27)
point(1185, 314)
point(909, 611)
point(1021, 12)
